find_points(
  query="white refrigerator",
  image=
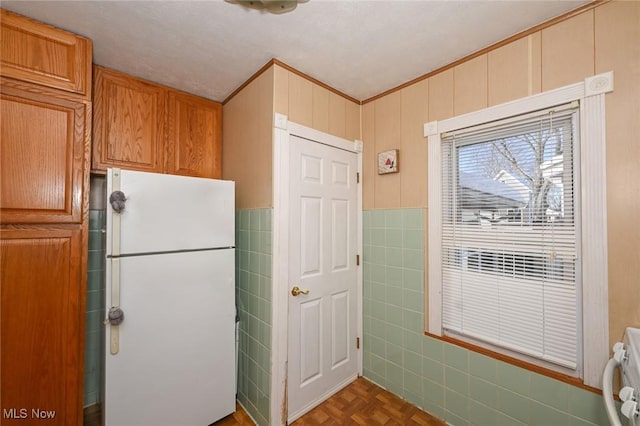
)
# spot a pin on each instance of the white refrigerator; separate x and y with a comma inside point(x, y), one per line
point(170, 294)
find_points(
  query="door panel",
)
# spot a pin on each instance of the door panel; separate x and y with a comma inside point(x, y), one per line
point(128, 126)
point(339, 173)
point(340, 234)
point(311, 341)
point(42, 331)
point(41, 54)
point(194, 139)
point(340, 332)
point(311, 169)
point(44, 145)
point(322, 324)
point(311, 239)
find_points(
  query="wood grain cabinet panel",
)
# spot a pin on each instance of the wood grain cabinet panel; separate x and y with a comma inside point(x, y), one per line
point(45, 129)
point(43, 153)
point(41, 329)
point(194, 135)
point(140, 125)
point(38, 53)
point(128, 126)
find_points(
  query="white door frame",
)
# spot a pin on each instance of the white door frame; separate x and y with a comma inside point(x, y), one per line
point(282, 131)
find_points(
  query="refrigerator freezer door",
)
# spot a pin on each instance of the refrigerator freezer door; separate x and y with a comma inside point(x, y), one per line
point(177, 342)
point(170, 213)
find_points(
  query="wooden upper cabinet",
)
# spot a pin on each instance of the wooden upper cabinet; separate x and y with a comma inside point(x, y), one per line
point(194, 134)
point(45, 129)
point(44, 151)
point(128, 124)
point(42, 335)
point(140, 125)
point(38, 53)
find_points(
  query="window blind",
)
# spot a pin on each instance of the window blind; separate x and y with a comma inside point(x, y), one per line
point(509, 227)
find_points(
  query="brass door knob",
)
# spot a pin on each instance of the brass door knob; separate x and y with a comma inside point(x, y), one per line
point(296, 291)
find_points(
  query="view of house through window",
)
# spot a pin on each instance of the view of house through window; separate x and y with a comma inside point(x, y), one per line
point(509, 249)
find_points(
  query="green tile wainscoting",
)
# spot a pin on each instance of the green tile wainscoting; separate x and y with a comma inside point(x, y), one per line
point(94, 343)
point(253, 299)
point(458, 385)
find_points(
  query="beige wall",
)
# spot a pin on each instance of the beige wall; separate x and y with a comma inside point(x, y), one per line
point(246, 142)
point(599, 40)
point(311, 105)
point(247, 130)
point(617, 47)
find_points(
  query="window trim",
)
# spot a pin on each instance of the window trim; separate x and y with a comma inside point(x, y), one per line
point(593, 208)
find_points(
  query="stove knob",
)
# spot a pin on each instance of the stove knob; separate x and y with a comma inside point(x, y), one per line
point(626, 393)
point(629, 409)
point(619, 352)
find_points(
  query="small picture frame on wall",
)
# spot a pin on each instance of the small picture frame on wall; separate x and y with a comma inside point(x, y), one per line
point(388, 162)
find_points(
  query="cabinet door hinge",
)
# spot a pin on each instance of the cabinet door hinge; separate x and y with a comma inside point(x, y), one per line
point(357, 260)
point(357, 343)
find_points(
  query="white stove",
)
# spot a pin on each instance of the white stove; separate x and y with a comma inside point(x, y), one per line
point(626, 356)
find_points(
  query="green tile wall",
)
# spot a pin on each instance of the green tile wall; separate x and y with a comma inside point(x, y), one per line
point(253, 296)
point(94, 343)
point(455, 384)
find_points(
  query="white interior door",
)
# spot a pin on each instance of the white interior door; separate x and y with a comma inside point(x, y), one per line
point(322, 354)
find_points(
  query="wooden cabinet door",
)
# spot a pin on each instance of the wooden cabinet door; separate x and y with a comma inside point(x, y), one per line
point(42, 333)
point(128, 126)
point(38, 53)
point(44, 150)
point(194, 136)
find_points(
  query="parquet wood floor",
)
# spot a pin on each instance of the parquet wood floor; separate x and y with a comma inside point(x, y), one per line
point(240, 417)
point(360, 403)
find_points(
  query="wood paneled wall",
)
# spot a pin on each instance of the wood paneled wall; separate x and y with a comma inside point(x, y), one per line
point(246, 142)
point(247, 129)
point(617, 47)
point(601, 39)
point(312, 105)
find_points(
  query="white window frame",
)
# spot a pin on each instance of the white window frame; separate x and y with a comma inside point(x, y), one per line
point(593, 209)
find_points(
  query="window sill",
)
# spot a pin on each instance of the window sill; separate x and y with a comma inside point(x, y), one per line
point(574, 381)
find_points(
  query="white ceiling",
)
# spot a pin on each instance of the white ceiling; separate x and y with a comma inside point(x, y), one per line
point(361, 48)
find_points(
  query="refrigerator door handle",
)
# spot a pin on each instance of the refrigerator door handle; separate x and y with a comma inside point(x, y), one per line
point(115, 218)
point(117, 200)
point(116, 315)
point(114, 335)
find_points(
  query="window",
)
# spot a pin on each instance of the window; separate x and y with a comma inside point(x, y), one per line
point(509, 249)
point(517, 235)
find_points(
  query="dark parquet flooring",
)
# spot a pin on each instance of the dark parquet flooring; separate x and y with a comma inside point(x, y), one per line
point(360, 403)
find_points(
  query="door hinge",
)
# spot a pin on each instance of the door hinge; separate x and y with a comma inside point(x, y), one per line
point(357, 343)
point(357, 260)
point(358, 177)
